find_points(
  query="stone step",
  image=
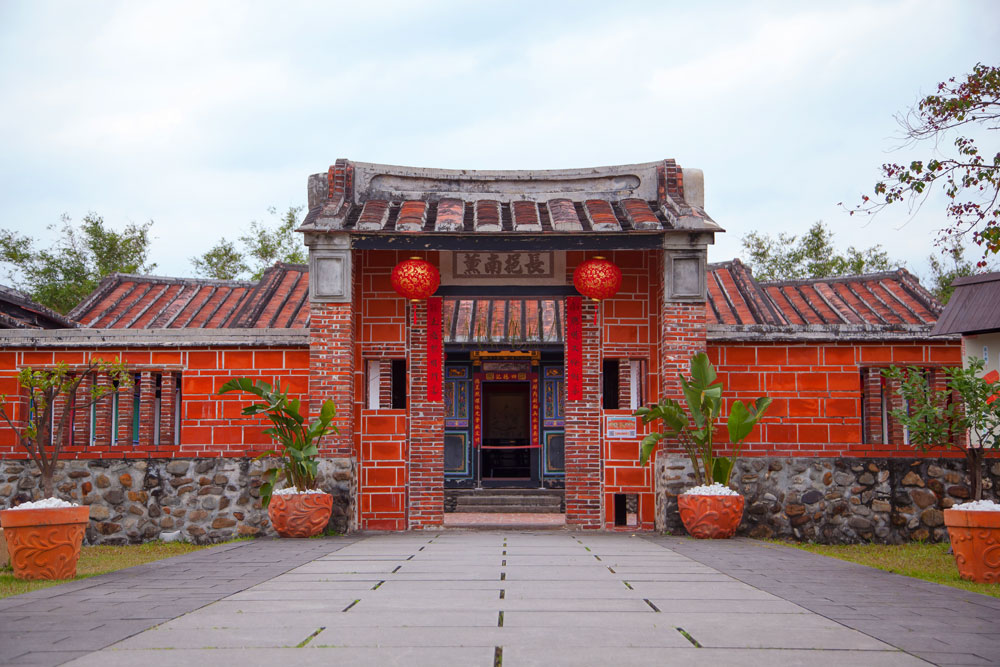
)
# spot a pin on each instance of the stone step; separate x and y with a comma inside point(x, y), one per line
point(512, 491)
point(507, 500)
point(509, 509)
point(532, 501)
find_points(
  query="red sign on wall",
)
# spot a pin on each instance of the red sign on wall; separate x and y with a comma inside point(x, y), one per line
point(435, 357)
point(574, 348)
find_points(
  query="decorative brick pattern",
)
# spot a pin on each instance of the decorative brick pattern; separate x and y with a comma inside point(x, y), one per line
point(331, 370)
point(147, 408)
point(125, 410)
point(817, 392)
point(168, 388)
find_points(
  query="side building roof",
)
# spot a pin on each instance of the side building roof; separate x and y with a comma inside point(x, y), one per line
point(974, 306)
point(870, 307)
point(18, 311)
point(887, 304)
point(279, 300)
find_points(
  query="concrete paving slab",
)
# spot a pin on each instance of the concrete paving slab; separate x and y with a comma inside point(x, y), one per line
point(644, 657)
point(810, 631)
point(274, 636)
point(305, 657)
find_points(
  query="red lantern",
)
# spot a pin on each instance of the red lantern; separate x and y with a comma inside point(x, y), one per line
point(597, 278)
point(415, 279)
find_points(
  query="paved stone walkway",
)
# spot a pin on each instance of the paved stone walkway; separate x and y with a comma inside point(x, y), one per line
point(499, 598)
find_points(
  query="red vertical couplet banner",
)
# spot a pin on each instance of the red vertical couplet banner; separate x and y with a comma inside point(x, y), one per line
point(574, 348)
point(435, 357)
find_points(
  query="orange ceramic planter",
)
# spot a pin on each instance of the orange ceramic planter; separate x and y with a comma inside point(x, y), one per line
point(710, 517)
point(975, 541)
point(300, 514)
point(45, 543)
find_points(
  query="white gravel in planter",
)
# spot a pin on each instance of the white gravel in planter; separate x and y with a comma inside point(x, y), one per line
point(47, 503)
point(978, 506)
point(710, 490)
point(291, 491)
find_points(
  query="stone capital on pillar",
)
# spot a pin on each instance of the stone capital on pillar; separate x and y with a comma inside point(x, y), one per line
point(329, 267)
point(685, 268)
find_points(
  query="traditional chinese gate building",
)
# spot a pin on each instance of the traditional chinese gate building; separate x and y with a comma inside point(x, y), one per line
point(506, 243)
point(506, 377)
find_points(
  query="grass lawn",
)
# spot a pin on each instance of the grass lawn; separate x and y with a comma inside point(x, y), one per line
point(98, 560)
point(930, 562)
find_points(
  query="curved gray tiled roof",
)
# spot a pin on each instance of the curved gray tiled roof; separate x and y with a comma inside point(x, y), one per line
point(366, 198)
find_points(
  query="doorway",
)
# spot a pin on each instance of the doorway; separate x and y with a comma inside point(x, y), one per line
point(507, 453)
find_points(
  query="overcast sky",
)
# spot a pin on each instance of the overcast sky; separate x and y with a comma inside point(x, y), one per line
point(201, 115)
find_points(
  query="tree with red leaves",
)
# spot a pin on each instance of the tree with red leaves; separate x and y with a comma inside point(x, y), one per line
point(969, 177)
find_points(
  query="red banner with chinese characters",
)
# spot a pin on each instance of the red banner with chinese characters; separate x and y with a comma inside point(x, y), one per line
point(574, 348)
point(435, 357)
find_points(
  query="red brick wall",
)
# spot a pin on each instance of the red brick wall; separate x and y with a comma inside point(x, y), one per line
point(381, 438)
point(211, 425)
point(817, 390)
point(426, 469)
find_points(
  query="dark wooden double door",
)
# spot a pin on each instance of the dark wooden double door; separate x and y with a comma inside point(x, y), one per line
point(504, 425)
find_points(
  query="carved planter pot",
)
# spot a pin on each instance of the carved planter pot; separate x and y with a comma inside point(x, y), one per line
point(300, 514)
point(45, 543)
point(710, 517)
point(975, 541)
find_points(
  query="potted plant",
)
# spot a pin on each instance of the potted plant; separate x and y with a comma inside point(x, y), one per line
point(711, 509)
point(933, 419)
point(300, 509)
point(44, 536)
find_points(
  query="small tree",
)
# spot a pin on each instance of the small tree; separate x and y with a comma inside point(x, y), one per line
point(968, 175)
point(933, 419)
point(42, 435)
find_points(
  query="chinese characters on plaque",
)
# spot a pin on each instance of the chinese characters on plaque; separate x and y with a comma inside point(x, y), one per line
point(503, 264)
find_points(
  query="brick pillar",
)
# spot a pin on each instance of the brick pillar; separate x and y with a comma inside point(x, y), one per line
point(624, 383)
point(147, 408)
point(125, 415)
point(872, 393)
point(583, 432)
point(81, 421)
point(426, 419)
point(385, 383)
point(59, 406)
point(168, 386)
point(682, 332)
point(331, 371)
point(103, 418)
point(895, 402)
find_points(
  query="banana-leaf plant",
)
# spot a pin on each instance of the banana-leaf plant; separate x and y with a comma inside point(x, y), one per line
point(298, 440)
point(695, 427)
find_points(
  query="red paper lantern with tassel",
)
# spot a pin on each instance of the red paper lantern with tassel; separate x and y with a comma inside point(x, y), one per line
point(415, 279)
point(597, 278)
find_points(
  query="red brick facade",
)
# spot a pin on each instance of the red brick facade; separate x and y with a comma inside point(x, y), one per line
point(816, 347)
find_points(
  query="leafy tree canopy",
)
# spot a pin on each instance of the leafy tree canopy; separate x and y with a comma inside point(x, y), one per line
point(970, 177)
point(813, 255)
point(61, 275)
point(260, 248)
point(947, 267)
